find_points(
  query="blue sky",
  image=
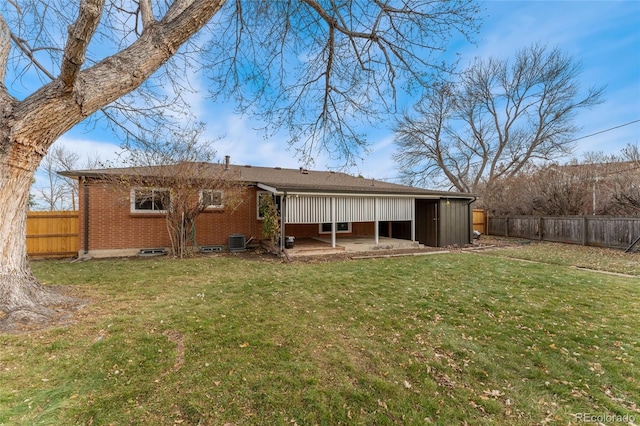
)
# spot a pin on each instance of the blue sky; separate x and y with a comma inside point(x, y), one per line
point(603, 35)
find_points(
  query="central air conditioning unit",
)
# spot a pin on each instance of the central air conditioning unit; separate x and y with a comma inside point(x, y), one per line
point(237, 242)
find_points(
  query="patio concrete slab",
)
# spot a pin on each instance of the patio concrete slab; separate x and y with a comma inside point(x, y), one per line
point(322, 246)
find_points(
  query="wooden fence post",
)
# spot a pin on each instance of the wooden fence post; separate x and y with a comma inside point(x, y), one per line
point(540, 228)
point(486, 222)
point(585, 231)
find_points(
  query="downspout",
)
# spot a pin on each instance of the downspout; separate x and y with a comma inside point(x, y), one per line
point(413, 219)
point(86, 214)
point(471, 219)
point(437, 219)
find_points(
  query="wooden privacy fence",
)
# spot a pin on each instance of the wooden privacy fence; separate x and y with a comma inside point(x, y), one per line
point(612, 232)
point(480, 221)
point(52, 234)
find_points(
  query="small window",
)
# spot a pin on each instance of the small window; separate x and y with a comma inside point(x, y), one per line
point(150, 199)
point(277, 199)
point(211, 198)
point(341, 227)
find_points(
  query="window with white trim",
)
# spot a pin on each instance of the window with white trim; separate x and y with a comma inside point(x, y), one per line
point(150, 200)
point(341, 227)
point(211, 198)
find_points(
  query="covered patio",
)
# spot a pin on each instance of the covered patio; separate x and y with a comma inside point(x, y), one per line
point(333, 212)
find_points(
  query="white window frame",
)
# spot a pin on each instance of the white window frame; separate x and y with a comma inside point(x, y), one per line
point(345, 231)
point(152, 189)
point(213, 206)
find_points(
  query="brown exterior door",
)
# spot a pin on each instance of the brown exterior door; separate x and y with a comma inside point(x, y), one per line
point(427, 222)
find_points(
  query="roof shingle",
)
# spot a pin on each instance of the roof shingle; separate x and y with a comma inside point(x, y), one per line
point(283, 180)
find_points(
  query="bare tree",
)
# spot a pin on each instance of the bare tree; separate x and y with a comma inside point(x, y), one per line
point(499, 116)
point(174, 172)
point(616, 181)
point(599, 184)
point(59, 192)
point(307, 64)
point(551, 190)
point(55, 193)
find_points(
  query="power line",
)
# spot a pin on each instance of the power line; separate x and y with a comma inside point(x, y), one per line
point(605, 131)
point(395, 178)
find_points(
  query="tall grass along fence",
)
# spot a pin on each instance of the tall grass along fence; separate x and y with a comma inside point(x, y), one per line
point(612, 232)
point(52, 234)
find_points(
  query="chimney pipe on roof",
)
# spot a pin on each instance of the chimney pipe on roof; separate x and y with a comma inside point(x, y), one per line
point(226, 162)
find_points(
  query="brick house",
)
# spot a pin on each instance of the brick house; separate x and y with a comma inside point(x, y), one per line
point(311, 204)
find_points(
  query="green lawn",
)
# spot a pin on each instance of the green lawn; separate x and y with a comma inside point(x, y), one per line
point(442, 339)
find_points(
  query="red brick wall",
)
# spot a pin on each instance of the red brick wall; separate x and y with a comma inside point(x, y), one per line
point(112, 225)
point(358, 229)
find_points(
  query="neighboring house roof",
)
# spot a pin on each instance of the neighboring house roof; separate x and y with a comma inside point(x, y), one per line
point(284, 180)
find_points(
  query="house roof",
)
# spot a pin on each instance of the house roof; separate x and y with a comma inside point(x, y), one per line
point(283, 180)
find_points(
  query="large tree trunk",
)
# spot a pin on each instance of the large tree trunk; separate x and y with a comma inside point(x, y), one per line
point(28, 128)
point(22, 298)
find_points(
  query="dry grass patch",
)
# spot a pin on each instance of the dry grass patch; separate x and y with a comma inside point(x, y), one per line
point(596, 258)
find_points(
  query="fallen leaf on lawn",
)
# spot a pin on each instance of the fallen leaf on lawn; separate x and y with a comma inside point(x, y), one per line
point(407, 385)
point(494, 393)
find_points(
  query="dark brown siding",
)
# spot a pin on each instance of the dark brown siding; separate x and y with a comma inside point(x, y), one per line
point(455, 222)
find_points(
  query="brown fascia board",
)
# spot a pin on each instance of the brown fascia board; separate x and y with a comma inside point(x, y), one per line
point(101, 173)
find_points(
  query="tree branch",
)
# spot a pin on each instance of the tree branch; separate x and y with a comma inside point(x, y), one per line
point(5, 48)
point(80, 34)
point(176, 9)
point(146, 11)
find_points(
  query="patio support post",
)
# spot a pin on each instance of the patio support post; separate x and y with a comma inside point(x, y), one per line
point(333, 222)
point(376, 221)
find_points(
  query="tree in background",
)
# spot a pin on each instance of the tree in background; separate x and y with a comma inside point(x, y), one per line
point(550, 190)
point(600, 184)
point(312, 67)
point(616, 182)
point(499, 116)
point(59, 192)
